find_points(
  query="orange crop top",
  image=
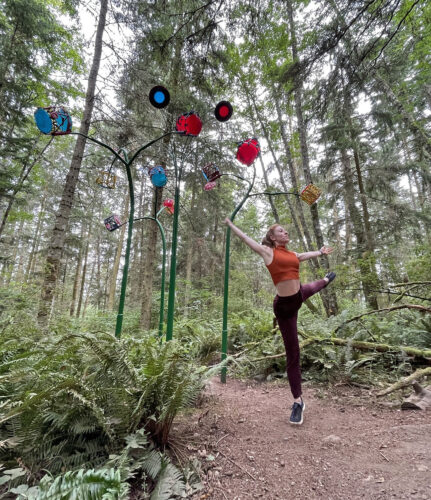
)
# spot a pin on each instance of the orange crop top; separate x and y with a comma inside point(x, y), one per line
point(284, 265)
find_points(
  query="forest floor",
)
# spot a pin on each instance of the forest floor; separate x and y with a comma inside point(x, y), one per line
point(351, 445)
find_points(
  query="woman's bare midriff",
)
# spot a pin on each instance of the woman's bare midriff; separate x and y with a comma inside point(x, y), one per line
point(287, 287)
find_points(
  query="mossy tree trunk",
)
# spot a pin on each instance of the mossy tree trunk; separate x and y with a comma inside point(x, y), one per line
point(56, 245)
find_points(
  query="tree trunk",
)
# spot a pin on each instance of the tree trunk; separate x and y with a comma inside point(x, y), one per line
point(117, 259)
point(366, 275)
point(308, 246)
point(15, 245)
point(62, 219)
point(36, 238)
point(295, 221)
point(25, 172)
point(328, 295)
point(368, 238)
point(90, 283)
point(262, 165)
point(137, 252)
point(150, 259)
point(191, 242)
point(84, 272)
point(77, 279)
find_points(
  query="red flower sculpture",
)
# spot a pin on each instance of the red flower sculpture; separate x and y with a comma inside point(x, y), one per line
point(189, 124)
point(169, 204)
point(248, 151)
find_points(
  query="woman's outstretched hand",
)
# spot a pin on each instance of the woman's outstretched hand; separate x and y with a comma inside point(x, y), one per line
point(326, 250)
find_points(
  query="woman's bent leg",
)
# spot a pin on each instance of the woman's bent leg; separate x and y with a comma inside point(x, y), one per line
point(310, 289)
point(289, 332)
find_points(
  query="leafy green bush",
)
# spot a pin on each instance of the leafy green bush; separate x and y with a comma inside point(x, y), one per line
point(138, 466)
point(69, 401)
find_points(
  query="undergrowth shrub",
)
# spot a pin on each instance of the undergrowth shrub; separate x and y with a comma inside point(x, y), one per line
point(68, 401)
point(251, 338)
point(138, 467)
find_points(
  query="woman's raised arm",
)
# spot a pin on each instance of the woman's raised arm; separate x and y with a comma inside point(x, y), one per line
point(264, 251)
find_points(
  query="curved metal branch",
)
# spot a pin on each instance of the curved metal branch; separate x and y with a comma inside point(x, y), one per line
point(149, 144)
point(117, 156)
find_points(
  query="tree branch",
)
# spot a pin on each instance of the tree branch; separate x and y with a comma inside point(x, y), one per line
point(404, 306)
point(418, 374)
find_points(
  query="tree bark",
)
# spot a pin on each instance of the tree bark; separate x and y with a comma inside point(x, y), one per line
point(150, 259)
point(56, 246)
point(417, 375)
point(77, 279)
point(117, 259)
point(328, 295)
point(84, 273)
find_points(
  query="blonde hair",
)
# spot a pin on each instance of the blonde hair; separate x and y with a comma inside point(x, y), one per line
point(267, 241)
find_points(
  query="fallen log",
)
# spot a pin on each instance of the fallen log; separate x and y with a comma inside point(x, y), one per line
point(386, 309)
point(415, 376)
point(357, 344)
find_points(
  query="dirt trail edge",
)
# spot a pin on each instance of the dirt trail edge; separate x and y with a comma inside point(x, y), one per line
point(350, 446)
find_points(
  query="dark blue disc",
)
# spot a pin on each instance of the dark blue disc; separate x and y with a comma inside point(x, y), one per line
point(159, 97)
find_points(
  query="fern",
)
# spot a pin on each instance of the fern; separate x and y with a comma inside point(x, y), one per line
point(103, 484)
point(68, 401)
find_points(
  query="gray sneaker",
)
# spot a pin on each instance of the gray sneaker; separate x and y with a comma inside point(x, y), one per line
point(297, 415)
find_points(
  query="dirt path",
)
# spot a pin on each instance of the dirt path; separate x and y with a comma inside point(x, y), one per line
point(349, 446)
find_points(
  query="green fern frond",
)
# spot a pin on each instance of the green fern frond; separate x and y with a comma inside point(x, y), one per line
point(169, 481)
point(102, 484)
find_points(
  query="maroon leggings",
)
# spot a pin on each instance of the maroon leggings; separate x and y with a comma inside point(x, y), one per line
point(286, 311)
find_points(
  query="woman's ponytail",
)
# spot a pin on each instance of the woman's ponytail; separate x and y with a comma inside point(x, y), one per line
point(268, 241)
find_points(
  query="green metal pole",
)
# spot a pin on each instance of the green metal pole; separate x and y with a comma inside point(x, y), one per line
point(173, 270)
point(226, 280)
point(225, 305)
point(162, 291)
point(119, 324)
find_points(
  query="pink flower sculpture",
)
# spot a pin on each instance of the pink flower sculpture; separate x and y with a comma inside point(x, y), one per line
point(210, 185)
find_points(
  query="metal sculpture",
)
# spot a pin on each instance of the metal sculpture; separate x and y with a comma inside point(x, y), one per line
point(310, 194)
point(211, 172)
point(112, 222)
point(53, 120)
point(106, 180)
point(56, 121)
point(158, 176)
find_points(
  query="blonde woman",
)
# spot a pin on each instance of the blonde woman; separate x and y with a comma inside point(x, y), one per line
point(283, 265)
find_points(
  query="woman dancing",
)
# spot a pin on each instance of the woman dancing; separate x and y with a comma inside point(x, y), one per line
point(283, 265)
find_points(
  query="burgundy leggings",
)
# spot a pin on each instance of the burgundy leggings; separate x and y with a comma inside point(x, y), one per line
point(286, 311)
